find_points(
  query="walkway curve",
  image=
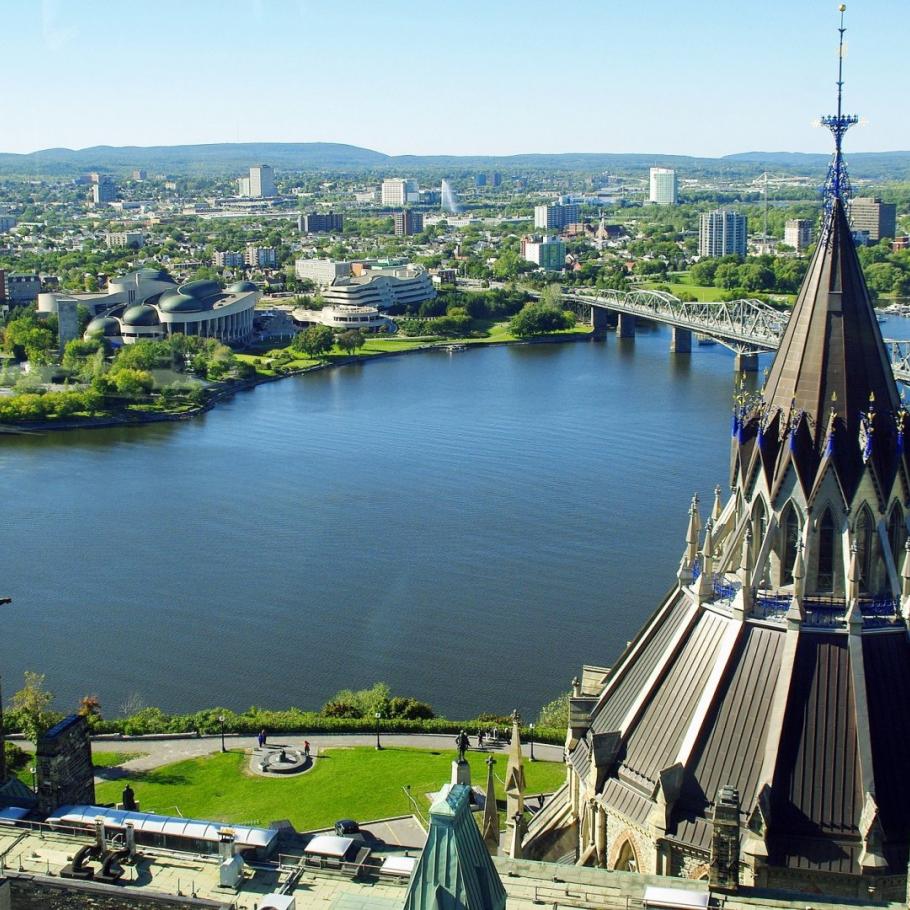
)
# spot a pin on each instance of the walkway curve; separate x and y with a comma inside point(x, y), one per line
point(160, 751)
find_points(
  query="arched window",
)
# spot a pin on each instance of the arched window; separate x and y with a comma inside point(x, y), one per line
point(627, 861)
point(826, 547)
point(865, 547)
point(759, 524)
point(897, 535)
point(789, 541)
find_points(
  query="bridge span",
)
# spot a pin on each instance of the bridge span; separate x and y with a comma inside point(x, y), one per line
point(747, 327)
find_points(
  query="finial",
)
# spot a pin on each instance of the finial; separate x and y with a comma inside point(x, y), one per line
point(718, 505)
point(905, 577)
point(853, 574)
point(837, 183)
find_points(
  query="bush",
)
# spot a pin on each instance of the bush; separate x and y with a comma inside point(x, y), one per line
point(540, 319)
point(16, 757)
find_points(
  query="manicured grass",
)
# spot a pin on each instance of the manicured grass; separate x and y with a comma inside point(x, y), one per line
point(113, 759)
point(356, 783)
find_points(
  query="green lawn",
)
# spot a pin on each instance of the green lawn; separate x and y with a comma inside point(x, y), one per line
point(113, 759)
point(356, 783)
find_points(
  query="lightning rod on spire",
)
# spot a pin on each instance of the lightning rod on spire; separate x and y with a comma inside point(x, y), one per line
point(837, 183)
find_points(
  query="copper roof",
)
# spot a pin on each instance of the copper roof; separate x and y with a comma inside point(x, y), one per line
point(832, 355)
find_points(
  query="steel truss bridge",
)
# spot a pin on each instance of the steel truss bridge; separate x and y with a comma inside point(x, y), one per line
point(747, 327)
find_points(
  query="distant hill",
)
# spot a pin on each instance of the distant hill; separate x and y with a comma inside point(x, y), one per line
point(236, 157)
point(186, 159)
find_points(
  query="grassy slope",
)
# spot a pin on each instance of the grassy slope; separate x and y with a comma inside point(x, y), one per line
point(360, 783)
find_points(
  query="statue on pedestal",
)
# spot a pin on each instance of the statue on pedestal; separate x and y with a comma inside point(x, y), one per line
point(462, 743)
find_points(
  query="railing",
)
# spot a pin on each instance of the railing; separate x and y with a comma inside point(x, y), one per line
point(724, 589)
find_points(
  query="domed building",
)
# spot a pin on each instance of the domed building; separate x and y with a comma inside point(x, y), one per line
point(757, 729)
point(194, 308)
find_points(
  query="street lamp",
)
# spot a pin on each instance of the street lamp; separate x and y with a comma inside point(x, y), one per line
point(531, 734)
point(34, 771)
point(221, 721)
point(378, 716)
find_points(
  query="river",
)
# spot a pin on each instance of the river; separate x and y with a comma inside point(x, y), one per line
point(468, 527)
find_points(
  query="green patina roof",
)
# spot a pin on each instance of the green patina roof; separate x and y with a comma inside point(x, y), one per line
point(141, 315)
point(241, 287)
point(103, 325)
point(455, 871)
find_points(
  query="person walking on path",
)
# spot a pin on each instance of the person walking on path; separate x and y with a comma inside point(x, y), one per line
point(306, 748)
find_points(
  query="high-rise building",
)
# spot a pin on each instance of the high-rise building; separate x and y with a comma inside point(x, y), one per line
point(260, 256)
point(480, 180)
point(872, 216)
point(722, 233)
point(798, 233)
point(229, 260)
point(496, 178)
point(320, 222)
point(663, 187)
point(394, 191)
point(556, 217)
point(262, 182)
point(407, 222)
point(103, 189)
point(548, 253)
point(7, 222)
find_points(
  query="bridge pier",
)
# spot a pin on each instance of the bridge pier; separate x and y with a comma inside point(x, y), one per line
point(680, 340)
point(600, 320)
point(745, 363)
point(625, 325)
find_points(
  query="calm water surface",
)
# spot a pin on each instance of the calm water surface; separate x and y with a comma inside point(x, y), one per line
point(470, 528)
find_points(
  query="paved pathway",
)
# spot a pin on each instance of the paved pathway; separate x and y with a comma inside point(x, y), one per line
point(159, 751)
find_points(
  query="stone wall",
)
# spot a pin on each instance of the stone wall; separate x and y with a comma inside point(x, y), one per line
point(38, 893)
point(64, 766)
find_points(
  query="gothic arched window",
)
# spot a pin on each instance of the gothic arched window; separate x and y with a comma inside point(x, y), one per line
point(826, 548)
point(863, 535)
point(789, 541)
point(759, 523)
point(897, 535)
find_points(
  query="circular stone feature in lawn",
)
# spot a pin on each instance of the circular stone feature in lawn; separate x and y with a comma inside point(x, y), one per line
point(280, 761)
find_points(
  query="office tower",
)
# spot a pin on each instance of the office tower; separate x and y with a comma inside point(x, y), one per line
point(663, 186)
point(872, 216)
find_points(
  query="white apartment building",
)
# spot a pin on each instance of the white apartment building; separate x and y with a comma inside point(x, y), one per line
point(663, 186)
point(394, 191)
point(798, 233)
point(722, 233)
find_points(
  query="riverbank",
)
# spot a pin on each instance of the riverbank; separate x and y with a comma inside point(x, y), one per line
point(229, 390)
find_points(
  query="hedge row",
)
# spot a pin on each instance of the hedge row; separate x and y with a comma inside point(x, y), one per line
point(290, 721)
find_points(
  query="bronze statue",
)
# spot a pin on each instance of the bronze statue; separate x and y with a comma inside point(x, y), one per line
point(462, 743)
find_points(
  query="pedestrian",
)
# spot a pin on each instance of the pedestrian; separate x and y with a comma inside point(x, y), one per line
point(262, 738)
point(306, 748)
point(480, 740)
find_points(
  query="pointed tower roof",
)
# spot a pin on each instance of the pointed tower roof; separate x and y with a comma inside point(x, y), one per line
point(832, 355)
point(455, 871)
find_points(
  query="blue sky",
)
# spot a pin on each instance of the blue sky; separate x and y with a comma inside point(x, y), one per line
point(707, 77)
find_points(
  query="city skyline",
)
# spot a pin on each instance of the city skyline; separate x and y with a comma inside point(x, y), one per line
point(457, 82)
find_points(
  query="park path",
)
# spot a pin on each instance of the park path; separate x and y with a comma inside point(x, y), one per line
point(158, 751)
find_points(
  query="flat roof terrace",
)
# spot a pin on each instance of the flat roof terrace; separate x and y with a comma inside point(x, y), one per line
point(40, 855)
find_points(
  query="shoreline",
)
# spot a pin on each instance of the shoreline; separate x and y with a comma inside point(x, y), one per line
point(39, 428)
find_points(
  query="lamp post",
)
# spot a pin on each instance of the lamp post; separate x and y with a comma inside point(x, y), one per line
point(531, 735)
point(221, 721)
point(34, 771)
point(378, 716)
